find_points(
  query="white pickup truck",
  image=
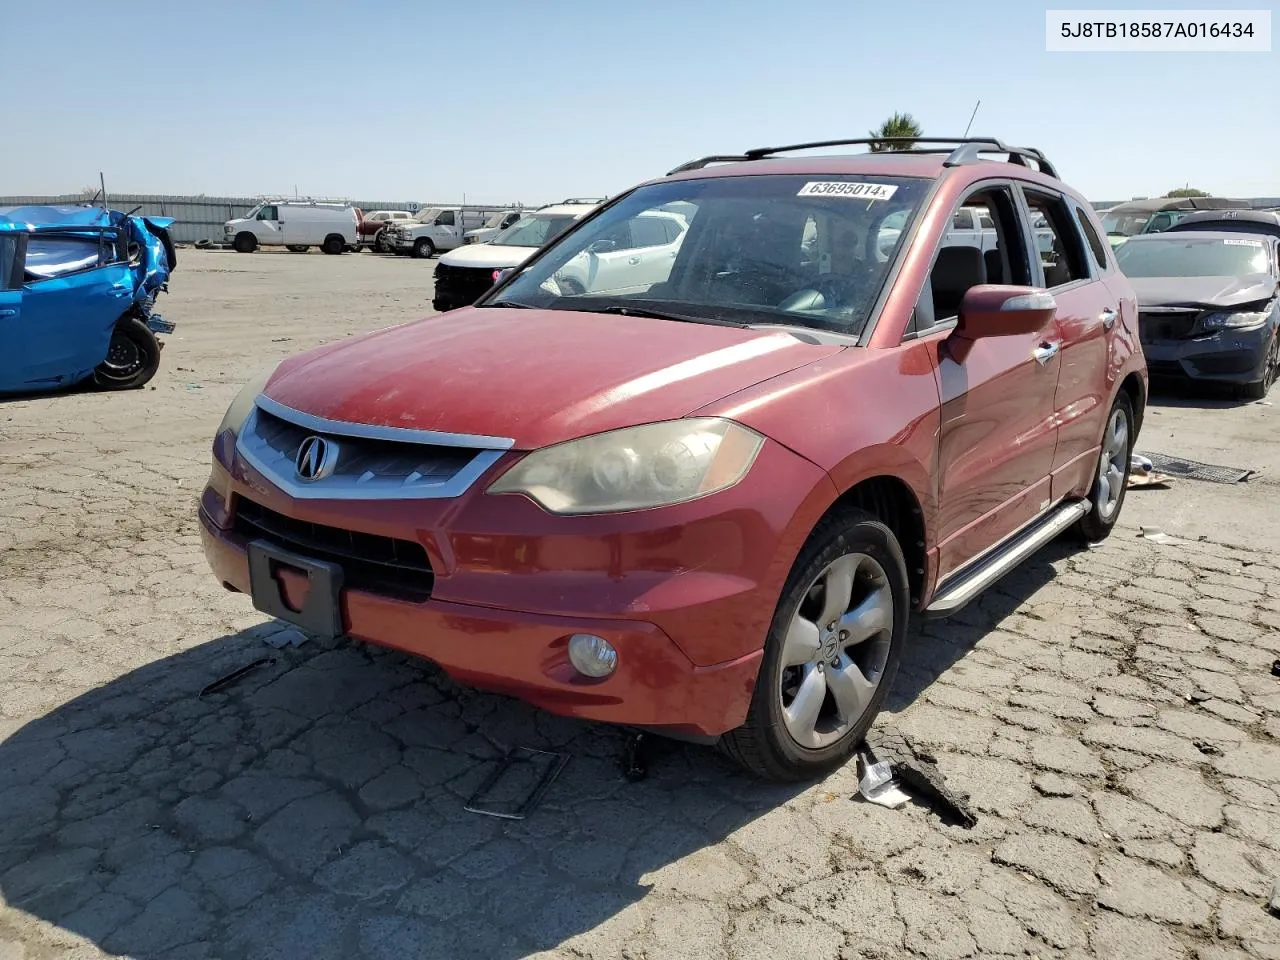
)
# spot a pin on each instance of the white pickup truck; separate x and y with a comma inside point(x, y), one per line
point(433, 230)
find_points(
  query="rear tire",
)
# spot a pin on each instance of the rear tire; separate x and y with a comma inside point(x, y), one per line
point(245, 243)
point(133, 356)
point(1111, 478)
point(333, 245)
point(847, 671)
point(424, 249)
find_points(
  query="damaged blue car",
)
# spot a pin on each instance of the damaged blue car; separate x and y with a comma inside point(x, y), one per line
point(77, 290)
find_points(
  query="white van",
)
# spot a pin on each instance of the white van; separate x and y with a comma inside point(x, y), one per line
point(331, 225)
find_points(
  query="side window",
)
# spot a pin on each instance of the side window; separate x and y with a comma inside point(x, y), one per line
point(1091, 237)
point(962, 263)
point(51, 256)
point(671, 229)
point(985, 221)
point(10, 276)
point(269, 213)
point(1058, 241)
point(445, 219)
point(960, 220)
point(648, 231)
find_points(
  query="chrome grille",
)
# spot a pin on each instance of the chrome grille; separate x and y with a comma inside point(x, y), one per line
point(368, 465)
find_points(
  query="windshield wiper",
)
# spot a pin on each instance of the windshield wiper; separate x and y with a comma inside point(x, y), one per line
point(508, 303)
point(626, 311)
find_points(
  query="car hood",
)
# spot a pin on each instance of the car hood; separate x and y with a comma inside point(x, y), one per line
point(487, 255)
point(534, 376)
point(1202, 291)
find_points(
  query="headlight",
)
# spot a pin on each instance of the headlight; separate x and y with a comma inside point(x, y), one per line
point(1234, 321)
point(242, 405)
point(654, 465)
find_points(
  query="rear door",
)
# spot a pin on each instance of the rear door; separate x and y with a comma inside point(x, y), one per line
point(68, 315)
point(1071, 265)
point(997, 433)
point(11, 255)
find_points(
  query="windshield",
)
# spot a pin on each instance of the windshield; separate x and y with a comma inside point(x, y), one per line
point(428, 216)
point(773, 248)
point(532, 231)
point(494, 221)
point(253, 213)
point(1125, 224)
point(1180, 256)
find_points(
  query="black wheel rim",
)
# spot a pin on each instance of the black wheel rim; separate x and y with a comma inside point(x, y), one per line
point(124, 358)
point(1273, 362)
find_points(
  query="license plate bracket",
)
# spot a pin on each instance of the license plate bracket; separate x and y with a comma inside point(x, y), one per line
point(321, 611)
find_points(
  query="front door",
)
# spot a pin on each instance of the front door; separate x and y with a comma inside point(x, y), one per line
point(268, 226)
point(997, 432)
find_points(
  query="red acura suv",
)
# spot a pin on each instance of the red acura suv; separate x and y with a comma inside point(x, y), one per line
point(700, 492)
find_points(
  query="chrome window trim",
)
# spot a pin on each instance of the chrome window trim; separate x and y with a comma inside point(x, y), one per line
point(254, 452)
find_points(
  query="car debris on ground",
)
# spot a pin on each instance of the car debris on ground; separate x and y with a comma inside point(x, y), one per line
point(891, 762)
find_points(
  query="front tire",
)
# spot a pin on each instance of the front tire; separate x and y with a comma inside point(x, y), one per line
point(245, 243)
point(133, 356)
point(1259, 389)
point(424, 249)
point(831, 654)
point(1111, 479)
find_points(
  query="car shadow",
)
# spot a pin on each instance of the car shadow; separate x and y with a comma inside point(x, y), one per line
point(313, 806)
point(937, 645)
point(1195, 394)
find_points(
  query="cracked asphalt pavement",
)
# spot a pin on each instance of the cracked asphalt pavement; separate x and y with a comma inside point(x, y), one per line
point(1110, 711)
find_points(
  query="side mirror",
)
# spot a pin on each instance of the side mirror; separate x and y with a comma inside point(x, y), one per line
point(602, 246)
point(997, 310)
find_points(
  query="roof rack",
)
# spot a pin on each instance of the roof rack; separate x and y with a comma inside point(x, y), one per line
point(580, 200)
point(962, 150)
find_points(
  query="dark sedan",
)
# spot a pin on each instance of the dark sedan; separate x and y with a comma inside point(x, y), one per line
point(1257, 222)
point(1208, 305)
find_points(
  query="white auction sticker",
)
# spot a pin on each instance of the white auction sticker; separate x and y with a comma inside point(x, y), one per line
point(1244, 243)
point(848, 189)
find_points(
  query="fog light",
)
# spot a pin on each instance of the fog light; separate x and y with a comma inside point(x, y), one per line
point(592, 656)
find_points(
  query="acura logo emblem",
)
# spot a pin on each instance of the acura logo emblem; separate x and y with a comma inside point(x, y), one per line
point(316, 458)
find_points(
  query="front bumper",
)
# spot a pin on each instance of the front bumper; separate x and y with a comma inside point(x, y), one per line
point(1226, 356)
point(684, 594)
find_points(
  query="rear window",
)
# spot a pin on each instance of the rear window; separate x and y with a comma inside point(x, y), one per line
point(1171, 256)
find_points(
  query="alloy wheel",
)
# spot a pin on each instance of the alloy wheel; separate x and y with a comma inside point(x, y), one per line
point(835, 650)
point(1112, 464)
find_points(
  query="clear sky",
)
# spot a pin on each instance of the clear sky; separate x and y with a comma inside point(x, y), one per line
point(506, 100)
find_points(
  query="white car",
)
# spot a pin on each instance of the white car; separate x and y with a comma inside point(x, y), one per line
point(493, 226)
point(464, 274)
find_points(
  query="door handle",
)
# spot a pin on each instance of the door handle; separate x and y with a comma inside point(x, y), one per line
point(8, 313)
point(1045, 352)
point(1108, 318)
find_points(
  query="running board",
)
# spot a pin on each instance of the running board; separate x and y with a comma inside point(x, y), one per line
point(959, 589)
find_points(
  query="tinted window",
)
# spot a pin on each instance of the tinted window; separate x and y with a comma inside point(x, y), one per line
point(1183, 256)
point(445, 219)
point(8, 249)
point(1091, 237)
point(960, 220)
point(744, 256)
point(268, 213)
point(649, 231)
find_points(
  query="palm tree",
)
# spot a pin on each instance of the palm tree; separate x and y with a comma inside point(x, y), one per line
point(898, 125)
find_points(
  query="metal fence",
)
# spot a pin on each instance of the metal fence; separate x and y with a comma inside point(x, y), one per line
point(200, 217)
